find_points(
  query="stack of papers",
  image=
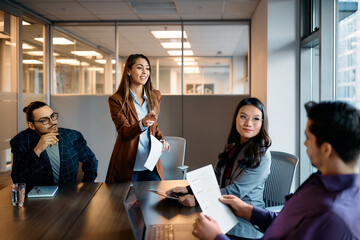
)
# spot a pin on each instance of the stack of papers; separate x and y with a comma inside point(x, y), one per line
point(42, 191)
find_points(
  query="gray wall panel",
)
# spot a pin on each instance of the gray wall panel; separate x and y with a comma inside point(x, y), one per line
point(205, 124)
point(90, 115)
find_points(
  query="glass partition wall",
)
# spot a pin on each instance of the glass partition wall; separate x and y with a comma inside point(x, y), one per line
point(84, 65)
point(201, 59)
point(34, 62)
point(9, 59)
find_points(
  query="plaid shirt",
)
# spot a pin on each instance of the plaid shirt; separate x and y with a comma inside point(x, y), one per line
point(33, 170)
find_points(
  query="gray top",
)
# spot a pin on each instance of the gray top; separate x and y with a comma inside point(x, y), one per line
point(247, 184)
point(54, 157)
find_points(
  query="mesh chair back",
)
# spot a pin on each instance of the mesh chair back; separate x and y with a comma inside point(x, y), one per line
point(278, 184)
point(174, 159)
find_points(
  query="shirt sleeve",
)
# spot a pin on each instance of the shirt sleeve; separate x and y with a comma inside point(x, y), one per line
point(26, 164)
point(222, 237)
point(262, 218)
point(88, 159)
point(142, 127)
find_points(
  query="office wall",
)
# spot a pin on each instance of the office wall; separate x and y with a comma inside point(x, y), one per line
point(258, 68)
point(204, 121)
point(90, 115)
point(282, 75)
point(274, 70)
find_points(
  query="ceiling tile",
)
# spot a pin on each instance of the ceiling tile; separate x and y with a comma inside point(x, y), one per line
point(199, 7)
point(241, 15)
point(211, 16)
point(118, 17)
point(159, 17)
point(112, 8)
point(239, 7)
point(58, 8)
point(77, 17)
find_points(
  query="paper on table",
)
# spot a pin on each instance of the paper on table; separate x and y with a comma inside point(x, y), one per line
point(155, 153)
point(206, 190)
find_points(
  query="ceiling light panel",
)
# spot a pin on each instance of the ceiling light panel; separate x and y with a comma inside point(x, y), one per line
point(151, 7)
point(167, 34)
point(86, 53)
point(27, 46)
point(178, 53)
point(31, 61)
point(175, 45)
point(57, 41)
point(188, 63)
point(103, 61)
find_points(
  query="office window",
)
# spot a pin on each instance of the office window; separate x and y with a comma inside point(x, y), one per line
point(9, 59)
point(310, 17)
point(162, 45)
point(220, 54)
point(347, 86)
point(34, 62)
point(215, 57)
point(33, 56)
point(86, 65)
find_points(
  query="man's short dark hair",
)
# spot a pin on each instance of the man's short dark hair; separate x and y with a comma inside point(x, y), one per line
point(337, 123)
point(31, 107)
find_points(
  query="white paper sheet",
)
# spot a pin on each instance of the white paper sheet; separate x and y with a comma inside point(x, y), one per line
point(155, 153)
point(206, 190)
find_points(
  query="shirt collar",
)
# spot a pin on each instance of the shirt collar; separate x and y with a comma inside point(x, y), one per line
point(133, 96)
point(335, 183)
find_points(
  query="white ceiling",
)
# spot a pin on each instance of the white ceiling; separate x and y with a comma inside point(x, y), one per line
point(100, 10)
point(221, 40)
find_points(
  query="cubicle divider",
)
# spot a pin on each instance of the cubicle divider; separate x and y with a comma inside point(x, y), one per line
point(204, 121)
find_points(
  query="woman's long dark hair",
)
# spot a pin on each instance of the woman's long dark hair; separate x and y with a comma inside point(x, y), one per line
point(256, 146)
point(124, 86)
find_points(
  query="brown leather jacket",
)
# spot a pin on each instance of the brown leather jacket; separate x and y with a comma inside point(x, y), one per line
point(127, 125)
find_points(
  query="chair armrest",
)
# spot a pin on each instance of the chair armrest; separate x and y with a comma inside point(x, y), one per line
point(183, 168)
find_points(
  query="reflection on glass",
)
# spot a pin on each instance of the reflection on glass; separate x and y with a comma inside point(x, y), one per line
point(348, 52)
point(215, 56)
point(80, 67)
point(315, 75)
point(8, 85)
point(221, 59)
point(33, 57)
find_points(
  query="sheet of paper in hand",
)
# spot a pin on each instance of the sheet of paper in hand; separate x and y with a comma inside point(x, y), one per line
point(206, 190)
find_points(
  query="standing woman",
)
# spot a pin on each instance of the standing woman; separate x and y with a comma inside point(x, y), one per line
point(134, 109)
point(244, 165)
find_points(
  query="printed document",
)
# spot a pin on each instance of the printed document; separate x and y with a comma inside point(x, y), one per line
point(206, 190)
point(155, 153)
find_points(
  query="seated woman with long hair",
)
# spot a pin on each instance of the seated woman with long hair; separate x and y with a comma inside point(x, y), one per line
point(244, 165)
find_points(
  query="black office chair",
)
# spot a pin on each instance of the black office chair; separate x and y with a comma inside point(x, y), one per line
point(278, 184)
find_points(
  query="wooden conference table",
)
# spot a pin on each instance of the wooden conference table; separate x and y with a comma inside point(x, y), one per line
point(89, 211)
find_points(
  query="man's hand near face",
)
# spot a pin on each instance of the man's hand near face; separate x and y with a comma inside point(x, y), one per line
point(46, 140)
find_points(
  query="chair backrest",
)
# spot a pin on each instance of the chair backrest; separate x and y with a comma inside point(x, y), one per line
point(278, 184)
point(173, 159)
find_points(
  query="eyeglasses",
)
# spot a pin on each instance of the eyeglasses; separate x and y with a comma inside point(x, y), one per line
point(255, 120)
point(45, 120)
